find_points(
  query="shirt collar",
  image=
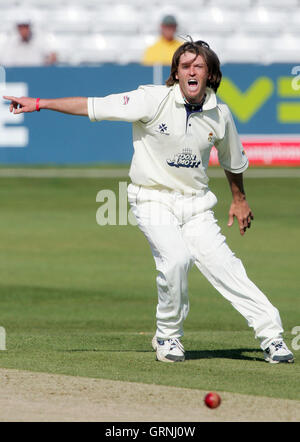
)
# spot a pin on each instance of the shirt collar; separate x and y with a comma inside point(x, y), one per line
point(210, 100)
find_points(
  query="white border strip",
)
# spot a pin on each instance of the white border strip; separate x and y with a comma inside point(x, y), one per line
point(288, 172)
point(272, 138)
point(63, 173)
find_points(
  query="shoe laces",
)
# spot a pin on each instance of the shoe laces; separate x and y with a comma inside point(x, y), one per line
point(278, 345)
point(174, 342)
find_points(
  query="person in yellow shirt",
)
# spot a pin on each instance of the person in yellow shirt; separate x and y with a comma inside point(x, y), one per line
point(162, 51)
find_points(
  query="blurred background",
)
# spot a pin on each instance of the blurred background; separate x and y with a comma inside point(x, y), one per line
point(78, 298)
point(97, 47)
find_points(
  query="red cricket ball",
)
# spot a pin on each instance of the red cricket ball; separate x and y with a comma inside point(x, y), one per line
point(212, 400)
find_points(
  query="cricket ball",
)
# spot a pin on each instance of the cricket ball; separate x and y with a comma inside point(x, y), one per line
point(212, 400)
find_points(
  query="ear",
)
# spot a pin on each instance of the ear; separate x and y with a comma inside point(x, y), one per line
point(176, 76)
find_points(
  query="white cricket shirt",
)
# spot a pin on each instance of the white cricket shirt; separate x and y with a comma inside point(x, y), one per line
point(172, 147)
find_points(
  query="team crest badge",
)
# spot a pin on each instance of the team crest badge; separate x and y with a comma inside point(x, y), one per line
point(210, 137)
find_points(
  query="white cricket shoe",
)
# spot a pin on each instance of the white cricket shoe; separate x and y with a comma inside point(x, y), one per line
point(278, 352)
point(168, 350)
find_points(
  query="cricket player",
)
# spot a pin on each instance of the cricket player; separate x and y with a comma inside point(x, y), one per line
point(174, 129)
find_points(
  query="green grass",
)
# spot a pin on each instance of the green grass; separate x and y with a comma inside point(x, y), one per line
point(80, 299)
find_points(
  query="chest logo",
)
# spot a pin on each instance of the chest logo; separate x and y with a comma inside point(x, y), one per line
point(163, 129)
point(184, 159)
point(126, 100)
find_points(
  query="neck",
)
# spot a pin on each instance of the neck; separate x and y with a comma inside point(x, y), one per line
point(197, 101)
point(167, 39)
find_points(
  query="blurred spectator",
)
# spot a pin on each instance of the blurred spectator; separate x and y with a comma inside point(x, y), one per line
point(24, 49)
point(162, 51)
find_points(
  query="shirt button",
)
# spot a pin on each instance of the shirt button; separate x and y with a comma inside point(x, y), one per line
point(190, 124)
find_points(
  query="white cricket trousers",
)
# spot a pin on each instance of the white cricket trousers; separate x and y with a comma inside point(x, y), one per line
point(182, 231)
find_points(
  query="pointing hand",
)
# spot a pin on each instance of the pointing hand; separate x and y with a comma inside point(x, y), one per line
point(21, 105)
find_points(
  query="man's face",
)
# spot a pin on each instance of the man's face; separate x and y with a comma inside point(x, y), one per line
point(192, 75)
point(168, 31)
point(24, 31)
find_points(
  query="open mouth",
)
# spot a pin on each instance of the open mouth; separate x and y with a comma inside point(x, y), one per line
point(193, 84)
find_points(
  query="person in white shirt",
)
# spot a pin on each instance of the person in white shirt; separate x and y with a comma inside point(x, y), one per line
point(23, 48)
point(174, 129)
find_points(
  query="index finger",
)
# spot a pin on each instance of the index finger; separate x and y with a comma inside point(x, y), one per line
point(9, 98)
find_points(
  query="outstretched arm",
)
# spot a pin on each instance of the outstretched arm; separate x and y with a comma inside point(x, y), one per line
point(239, 207)
point(69, 105)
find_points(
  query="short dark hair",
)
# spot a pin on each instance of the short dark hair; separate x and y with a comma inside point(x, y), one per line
point(198, 48)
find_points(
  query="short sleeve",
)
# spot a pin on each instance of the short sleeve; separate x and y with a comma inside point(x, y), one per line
point(231, 154)
point(127, 106)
